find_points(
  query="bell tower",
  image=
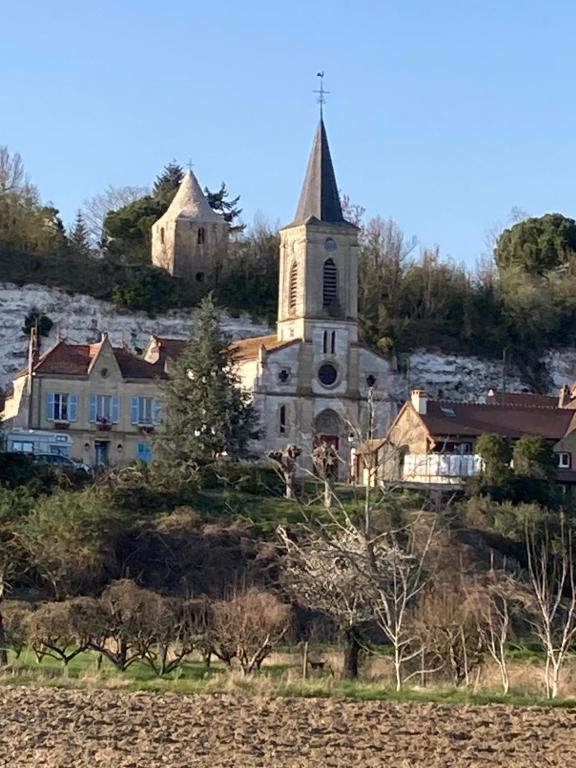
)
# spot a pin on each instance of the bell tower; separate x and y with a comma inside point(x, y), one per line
point(318, 256)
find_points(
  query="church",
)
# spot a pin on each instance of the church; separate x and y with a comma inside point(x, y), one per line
point(313, 380)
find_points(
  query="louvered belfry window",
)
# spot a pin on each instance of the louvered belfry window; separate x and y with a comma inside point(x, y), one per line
point(293, 287)
point(329, 284)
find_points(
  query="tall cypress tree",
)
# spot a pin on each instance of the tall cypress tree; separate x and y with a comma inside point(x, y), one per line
point(207, 414)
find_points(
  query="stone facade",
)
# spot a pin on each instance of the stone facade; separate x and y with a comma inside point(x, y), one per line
point(107, 400)
point(313, 381)
point(190, 239)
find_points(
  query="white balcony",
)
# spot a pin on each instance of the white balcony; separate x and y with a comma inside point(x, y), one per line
point(440, 468)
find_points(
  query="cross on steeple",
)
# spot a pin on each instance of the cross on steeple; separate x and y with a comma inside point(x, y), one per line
point(189, 165)
point(321, 93)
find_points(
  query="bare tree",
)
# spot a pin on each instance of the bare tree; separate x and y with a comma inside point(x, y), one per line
point(286, 462)
point(97, 207)
point(253, 622)
point(552, 577)
point(397, 577)
point(495, 597)
point(58, 629)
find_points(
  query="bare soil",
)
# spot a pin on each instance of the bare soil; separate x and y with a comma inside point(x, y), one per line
point(51, 728)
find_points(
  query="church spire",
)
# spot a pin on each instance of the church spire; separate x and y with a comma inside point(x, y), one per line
point(319, 198)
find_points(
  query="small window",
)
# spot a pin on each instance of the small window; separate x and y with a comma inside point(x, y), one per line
point(282, 420)
point(283, 375)
point(199, 277)
point(564, 460)
point(333, 342)
point(370, 380)
point(201, 238)
point(327, 374)
point(162, 235)
point(325, 342)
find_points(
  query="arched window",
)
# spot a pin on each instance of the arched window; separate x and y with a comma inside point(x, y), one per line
point(329, 284)
point(201, 238)
point(293, 287)
point(325, 342)
point(282, 420)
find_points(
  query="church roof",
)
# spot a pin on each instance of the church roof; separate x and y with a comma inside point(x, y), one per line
point(319, 199)
point(246, 349)
point(191, 203)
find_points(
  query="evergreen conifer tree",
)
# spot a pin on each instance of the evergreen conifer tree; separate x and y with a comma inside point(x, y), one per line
point(207, 414)
point(228, 208)
point(166, 185)
point(78, 237)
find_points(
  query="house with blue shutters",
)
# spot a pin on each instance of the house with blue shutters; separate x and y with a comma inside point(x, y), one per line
point(106, 398)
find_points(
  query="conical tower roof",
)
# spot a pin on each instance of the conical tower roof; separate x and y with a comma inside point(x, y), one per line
point(319, 199)
point(191, 203)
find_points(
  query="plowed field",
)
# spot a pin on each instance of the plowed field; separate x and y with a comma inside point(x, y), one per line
point(50, 728)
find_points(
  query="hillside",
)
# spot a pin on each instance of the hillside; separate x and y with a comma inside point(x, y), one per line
point(81, 318)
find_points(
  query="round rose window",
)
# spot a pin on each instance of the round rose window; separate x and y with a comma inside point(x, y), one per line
point(327, 374)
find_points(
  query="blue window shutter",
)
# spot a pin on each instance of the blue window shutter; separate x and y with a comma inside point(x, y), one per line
point(144, 452)
point(134, 410)
point(50, 406)
point(72, 407)
point(93, 407)
point(157, 411)
point(115, 409)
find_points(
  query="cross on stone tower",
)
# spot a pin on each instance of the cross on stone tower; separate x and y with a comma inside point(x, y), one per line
point(321, 93)
point(190, 165)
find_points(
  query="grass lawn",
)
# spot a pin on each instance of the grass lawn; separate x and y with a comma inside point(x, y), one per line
point(275, 680)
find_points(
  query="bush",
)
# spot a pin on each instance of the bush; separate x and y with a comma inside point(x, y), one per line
point(146, 289)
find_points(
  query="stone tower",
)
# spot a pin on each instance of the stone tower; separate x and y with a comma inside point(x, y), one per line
point(319, 258)
point(190, 239)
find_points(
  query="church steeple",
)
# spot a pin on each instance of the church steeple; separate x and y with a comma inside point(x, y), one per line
point(318, 288)
point(319, 199)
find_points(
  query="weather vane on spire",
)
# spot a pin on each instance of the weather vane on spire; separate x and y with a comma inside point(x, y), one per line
point(321, 93)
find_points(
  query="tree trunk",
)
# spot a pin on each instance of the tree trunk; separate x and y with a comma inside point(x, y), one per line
point(3, 648)
point(351, 655)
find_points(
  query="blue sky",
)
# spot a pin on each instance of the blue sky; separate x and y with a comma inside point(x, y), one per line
point(443, 115)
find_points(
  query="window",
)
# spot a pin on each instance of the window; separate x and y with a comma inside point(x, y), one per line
point(564, 460)
point(327, 374)
point(162, 235)
point(329, 284)
point(22, 446)
point(145, 411)
point(61, 406)
point(105, 409)
point(282, 420)
point(293, 287)
point(199, 276)
point(283, 375)
point(201, 237)
point(329, 342)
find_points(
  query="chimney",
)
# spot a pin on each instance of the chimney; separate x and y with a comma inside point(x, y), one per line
point(564, 397)
point(419, 400)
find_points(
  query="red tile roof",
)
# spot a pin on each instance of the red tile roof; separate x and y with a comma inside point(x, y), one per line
point(523, 398)
point(75, 360)
point(446, 419)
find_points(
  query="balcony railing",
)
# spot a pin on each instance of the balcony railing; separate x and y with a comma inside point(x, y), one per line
point(440, 468)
